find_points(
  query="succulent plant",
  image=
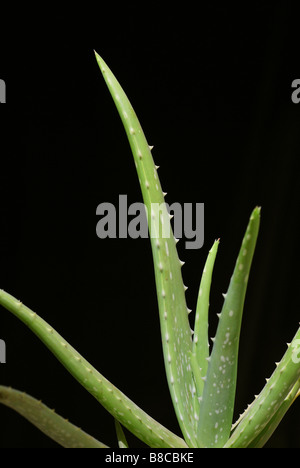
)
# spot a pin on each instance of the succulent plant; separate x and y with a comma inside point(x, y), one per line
point(202, 382)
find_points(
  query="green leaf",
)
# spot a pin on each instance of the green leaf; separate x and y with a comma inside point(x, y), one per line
point(113, 400)
point(200, 342)
point(47, 421)
point(175, 327)
point(122, 442)
point(270, 403)
point(269, 429)
point(217, 404)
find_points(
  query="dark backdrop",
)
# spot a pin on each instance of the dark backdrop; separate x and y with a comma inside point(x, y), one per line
point(212, 89)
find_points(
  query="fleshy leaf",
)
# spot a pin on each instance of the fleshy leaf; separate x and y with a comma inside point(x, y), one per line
point(268, 404)
point(200, 342)
point(122, 442)
point(175, 328)
point(217, 404)
point(47, 421)
point(269, 429)
point(114, 401)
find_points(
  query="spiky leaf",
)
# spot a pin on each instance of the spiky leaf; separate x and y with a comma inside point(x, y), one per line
point(268, 404)
point(217, 404)
point(175, 328)
point(269, 429)
point(47, 421)
point(118, 404)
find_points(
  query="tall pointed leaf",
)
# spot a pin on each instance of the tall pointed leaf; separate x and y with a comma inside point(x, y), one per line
point(217, 404)
point(200, 341)
point(175, 328)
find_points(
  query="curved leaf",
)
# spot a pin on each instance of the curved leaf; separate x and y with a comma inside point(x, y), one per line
point(118, 404)
point(175, 328)
point(269, 402)
point(47, 421)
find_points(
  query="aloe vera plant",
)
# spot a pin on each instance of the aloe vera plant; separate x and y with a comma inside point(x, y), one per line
point(202, 382)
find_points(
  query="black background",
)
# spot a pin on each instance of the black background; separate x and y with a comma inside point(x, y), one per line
point(212, 89)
